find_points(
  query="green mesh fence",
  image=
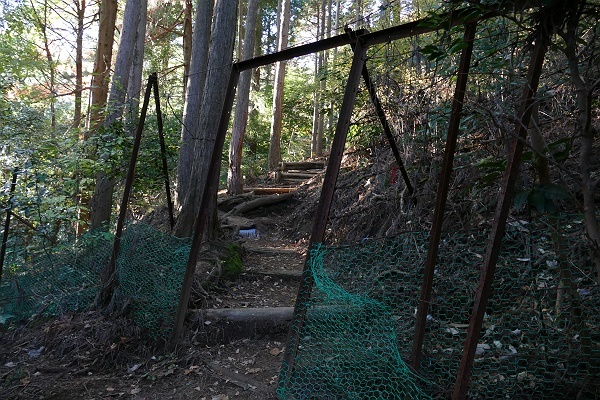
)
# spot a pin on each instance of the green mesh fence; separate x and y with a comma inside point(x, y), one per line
point(540, 338)
point(150, 270)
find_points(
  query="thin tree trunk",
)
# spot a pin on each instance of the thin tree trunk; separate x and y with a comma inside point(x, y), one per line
point(322, 87)
point(587, 134)
point(193, 96)
point(77, 115)
point(316, 97)
point(219, 68)
point(101, 203)
point(187, 43)
point(240, 119)
point(278, 91)
point(257, 51)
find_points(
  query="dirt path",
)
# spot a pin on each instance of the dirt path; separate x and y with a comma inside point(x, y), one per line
point(91, 357)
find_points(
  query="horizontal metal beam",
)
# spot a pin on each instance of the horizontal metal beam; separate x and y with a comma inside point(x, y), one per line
point(293, 52)
point(426, 25)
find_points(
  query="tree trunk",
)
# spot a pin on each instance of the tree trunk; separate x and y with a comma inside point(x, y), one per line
point(193, 96)
point(77, 114)
point(322, 83)
point(219, 68)
point(586, 134)
point(102, 63)
point(276, 120)
point(101, 203)
point(187, 43)
point(240, 119)
point(99, 90)
point(137, 67)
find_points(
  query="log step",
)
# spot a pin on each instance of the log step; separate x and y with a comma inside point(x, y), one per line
point(223, 325)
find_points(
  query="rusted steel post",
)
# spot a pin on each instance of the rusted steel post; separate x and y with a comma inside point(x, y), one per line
point(163, 151)
point(384, 123)
point(109, 281)
point(325, 200)
point(13, 185)
point(495, 239)
point(210, 188)
point(442, 194)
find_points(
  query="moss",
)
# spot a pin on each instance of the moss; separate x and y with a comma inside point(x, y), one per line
point(232, 264)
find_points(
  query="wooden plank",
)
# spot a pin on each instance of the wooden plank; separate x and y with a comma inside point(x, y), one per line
point(297, 175)
point(303, 165)
point(270, 190)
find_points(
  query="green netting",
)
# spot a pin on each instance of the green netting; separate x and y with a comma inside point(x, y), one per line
point(348, 345)
point(150, 269)
point(540, 335)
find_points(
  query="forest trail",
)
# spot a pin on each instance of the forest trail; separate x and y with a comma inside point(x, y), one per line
point(233, 348)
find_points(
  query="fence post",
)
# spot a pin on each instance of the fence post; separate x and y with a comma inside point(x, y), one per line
point(499, 224)
point(442, 193)
point(163, 151)
point(327, 191)
point(109, 281)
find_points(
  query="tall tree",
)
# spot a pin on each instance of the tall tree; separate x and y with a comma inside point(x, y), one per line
point(103, 61)
point(240, 119)
point(187, 43)
point(101, 203)
point(43, 25)
point(99, 89)
point(278, 92)
point(137, 63)
point(80, 8)
point(219, 68)
point(194, 95)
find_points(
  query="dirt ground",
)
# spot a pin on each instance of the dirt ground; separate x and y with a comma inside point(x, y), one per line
point(90, 356)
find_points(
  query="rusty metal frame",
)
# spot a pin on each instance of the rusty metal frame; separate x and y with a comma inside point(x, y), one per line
point(384, 123)
point(163, 152)
point(442, 194)
point(320, 224)
point(499, 224)
point(109, 281)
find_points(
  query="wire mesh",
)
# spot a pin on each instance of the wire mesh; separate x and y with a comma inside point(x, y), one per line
point(540, 334)
point(150, 269)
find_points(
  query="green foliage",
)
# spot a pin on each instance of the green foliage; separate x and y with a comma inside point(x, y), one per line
point(542, 198)
point(232, 262)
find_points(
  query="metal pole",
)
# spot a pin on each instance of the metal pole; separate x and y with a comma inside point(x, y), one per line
point(442, 194)
point(163, 151)
point(13, 184)
point(318, 231)
point(109, 279)
point(495, 239)
point(210, 188)
point(384, 123)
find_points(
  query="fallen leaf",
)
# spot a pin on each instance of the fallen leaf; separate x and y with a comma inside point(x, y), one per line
point(220, 397)
point(275, 351)
point(110, 389)
point(254, 370)
point(135, 390)
point(193, 368)
point(10, 364)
